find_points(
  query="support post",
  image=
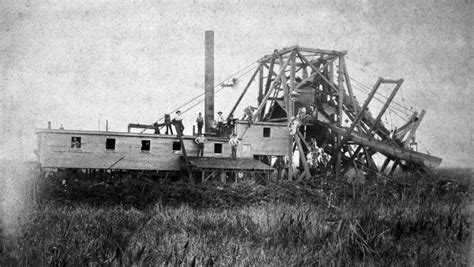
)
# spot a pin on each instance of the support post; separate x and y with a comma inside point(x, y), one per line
point(185, 156)
point(260, 83)
point(354, 123)
point(289, 114)
point(306, 172)
point(379, 116)
point(339, 120)
point(269, 79)
point(275, 82)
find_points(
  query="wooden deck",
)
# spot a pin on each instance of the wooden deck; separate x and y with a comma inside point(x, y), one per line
point(242, 164)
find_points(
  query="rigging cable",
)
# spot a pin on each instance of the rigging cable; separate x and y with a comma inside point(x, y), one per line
point(215, 86)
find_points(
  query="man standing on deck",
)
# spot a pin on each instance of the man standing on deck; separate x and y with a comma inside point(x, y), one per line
point(249, 114)
point(156, 127)
point(178, 122)
point(220, 123)
point(200, 141)
point(168, 124)
point(234, 143)
point(200, 123)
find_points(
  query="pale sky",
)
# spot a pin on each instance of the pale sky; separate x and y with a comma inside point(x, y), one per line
point(74, 63)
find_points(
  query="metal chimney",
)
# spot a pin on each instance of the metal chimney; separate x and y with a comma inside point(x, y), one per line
point(209, 81)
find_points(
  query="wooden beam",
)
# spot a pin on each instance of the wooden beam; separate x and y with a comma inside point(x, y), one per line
point(289, 115)
point(185, 156)
point(386, 105)
point(306, 172)
point(382, 111)
point(312, 75)
point(260, 84)
point(390, 81)
point(340, 103)
point(271, 72)
point(388, 149)
point(394, 167)
point(303, 58)
point(243, 93)
point(385, 164)
point(292, 79)
point(275, 82)
point(354, 123)
point(322, 51)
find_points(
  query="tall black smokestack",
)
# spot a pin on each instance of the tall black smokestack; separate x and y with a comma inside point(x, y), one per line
point(209, 81)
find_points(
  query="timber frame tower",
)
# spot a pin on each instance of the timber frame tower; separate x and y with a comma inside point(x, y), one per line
point(296, 77)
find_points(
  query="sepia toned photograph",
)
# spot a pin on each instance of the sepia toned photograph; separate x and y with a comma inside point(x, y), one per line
point(236, 133)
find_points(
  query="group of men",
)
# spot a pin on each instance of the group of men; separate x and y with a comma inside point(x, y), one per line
point(233, 142)
point(177, 121)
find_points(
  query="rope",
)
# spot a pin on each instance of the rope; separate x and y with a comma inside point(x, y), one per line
point(367, 89)
point(395, 110)
point(215, 86)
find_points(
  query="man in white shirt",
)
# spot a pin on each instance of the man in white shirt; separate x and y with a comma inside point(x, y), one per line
point(200, 141)
point(178, 121)
point(234, 143)
point(220, 123)
point(200, 123)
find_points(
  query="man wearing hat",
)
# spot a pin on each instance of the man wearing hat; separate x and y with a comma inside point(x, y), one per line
point(178, 122)
point(168, 123)
point(200, 123)
point(220, 123)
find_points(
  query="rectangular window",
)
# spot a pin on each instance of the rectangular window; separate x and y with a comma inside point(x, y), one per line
point(145, 145)
point(110, 143)
point(176, 146)
point(266, 132)
point(218, 148)
point(76, 142)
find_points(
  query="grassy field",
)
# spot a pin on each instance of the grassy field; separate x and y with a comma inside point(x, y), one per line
point(407, 221)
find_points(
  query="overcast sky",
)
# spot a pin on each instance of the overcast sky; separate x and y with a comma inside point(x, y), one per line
point(78, 63)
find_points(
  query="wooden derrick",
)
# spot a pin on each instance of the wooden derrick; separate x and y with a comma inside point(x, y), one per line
point(293, 87)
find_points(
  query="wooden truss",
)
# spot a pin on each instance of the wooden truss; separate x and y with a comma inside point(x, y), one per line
point(296, 77)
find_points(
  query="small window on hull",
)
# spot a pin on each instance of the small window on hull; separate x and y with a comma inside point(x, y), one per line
point(145, 145)
point(218, 148)
point(75, 142)
point(176, 146)
point(110, 144)
point(266, 132)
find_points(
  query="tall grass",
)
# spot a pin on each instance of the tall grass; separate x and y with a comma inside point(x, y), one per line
point(409, 221)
